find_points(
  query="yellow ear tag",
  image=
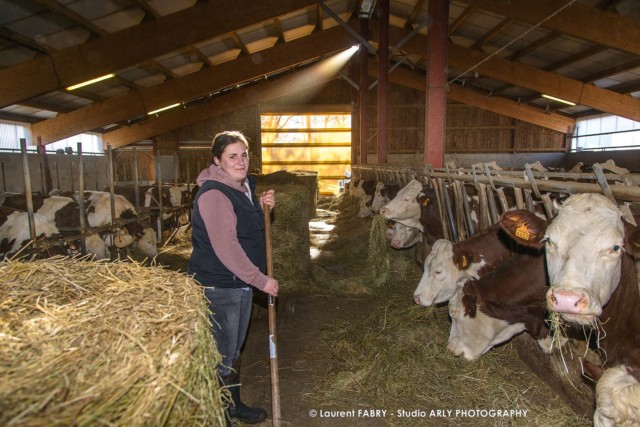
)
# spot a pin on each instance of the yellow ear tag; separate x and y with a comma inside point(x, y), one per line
point(522, 232)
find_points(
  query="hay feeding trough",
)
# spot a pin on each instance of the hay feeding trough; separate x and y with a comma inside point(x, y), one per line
point(92, 343)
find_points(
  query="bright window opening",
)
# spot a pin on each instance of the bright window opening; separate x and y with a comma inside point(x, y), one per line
point(308, 142)
point(606, 133)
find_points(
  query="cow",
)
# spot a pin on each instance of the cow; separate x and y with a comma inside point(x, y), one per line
point(382, 195)
point(492, 309)
point(591, 260)
point(53, 216)
point(449, 265)
point(98, 207)
point(404, 234)
point(416, 201)
point(405, 204)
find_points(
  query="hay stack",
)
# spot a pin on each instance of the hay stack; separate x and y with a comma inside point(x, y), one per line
point(89, 343)
point(290, 233)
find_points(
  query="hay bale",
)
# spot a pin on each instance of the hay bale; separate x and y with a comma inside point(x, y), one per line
point(290, 234)
point(308, 179)
point(88, 343)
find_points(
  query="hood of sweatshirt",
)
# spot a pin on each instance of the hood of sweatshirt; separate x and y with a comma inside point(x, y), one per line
point(214, 173)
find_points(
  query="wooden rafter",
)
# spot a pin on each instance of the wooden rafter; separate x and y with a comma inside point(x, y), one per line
point(147, 9)
point(238, 41)
point(578, 20)
point(612, 71)
point(57, 8)
point(21, 40)
point(137, 103)
point(460, 19)
point(172, 32)
point(587, 53)
point(241, 98)
point(414, 13)
point(416, 80)
point(518, 74)
point(492, 33)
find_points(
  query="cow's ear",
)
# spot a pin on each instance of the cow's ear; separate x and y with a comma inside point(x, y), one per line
point(524, 227)
point(632, 240)
point(591, 370)
point(462, 259)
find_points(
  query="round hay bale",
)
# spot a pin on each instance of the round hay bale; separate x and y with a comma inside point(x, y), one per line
point(93, 343)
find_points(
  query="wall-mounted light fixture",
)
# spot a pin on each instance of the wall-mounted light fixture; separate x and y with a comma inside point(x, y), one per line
point(92, 81)
point(553, 98)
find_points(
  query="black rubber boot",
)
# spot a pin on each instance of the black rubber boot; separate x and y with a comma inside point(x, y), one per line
point(239, 410)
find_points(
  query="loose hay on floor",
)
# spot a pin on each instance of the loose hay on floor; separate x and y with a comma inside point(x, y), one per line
point(92, 343)
point(395, 359)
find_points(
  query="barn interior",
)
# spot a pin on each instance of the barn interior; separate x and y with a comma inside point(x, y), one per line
point(327, 92)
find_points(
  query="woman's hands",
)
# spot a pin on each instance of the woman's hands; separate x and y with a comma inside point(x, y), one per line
point(268, 197)
point(272, 287)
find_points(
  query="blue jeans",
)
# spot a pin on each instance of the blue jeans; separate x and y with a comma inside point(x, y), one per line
point(230, 311)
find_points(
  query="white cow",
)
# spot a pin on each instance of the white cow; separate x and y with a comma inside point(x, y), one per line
point(404, 234)
point(405, 205)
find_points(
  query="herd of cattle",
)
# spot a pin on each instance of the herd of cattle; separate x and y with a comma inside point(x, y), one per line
point(580, 264)
point(60, 226)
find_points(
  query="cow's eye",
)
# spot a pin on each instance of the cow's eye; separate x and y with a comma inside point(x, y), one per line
point(549, 244)
point(616, 249)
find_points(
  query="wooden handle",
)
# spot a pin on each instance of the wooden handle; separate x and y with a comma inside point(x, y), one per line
point(273, 354)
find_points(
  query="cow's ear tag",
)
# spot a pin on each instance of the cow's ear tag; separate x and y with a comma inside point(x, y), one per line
point(522, 232)
point(464, 262)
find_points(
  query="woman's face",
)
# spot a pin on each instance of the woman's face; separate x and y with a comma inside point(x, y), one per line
point(235, 161)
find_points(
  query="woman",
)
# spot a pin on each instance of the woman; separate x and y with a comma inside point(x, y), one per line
point(229, 257)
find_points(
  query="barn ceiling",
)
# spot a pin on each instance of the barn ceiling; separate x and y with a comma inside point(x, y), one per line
point(215, 56)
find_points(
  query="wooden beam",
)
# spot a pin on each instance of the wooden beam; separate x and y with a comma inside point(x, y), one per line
point(541, 81)
point(519, 74)
point(305, 79)
point(578, 20)
point(58, 9)
point(136, 103)
point(536, 116)
point(493, 33)
point(136, 44)
point(461, 18)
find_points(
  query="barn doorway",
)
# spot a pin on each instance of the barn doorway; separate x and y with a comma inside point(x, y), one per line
point(309, 141)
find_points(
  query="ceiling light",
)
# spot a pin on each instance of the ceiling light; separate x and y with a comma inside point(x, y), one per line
point(553, 98)
point(164, 108)
point(92, 81)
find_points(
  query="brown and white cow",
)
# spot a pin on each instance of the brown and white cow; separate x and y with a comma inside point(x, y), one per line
point(492, 309)
point(592, 257)
point(449, 264)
